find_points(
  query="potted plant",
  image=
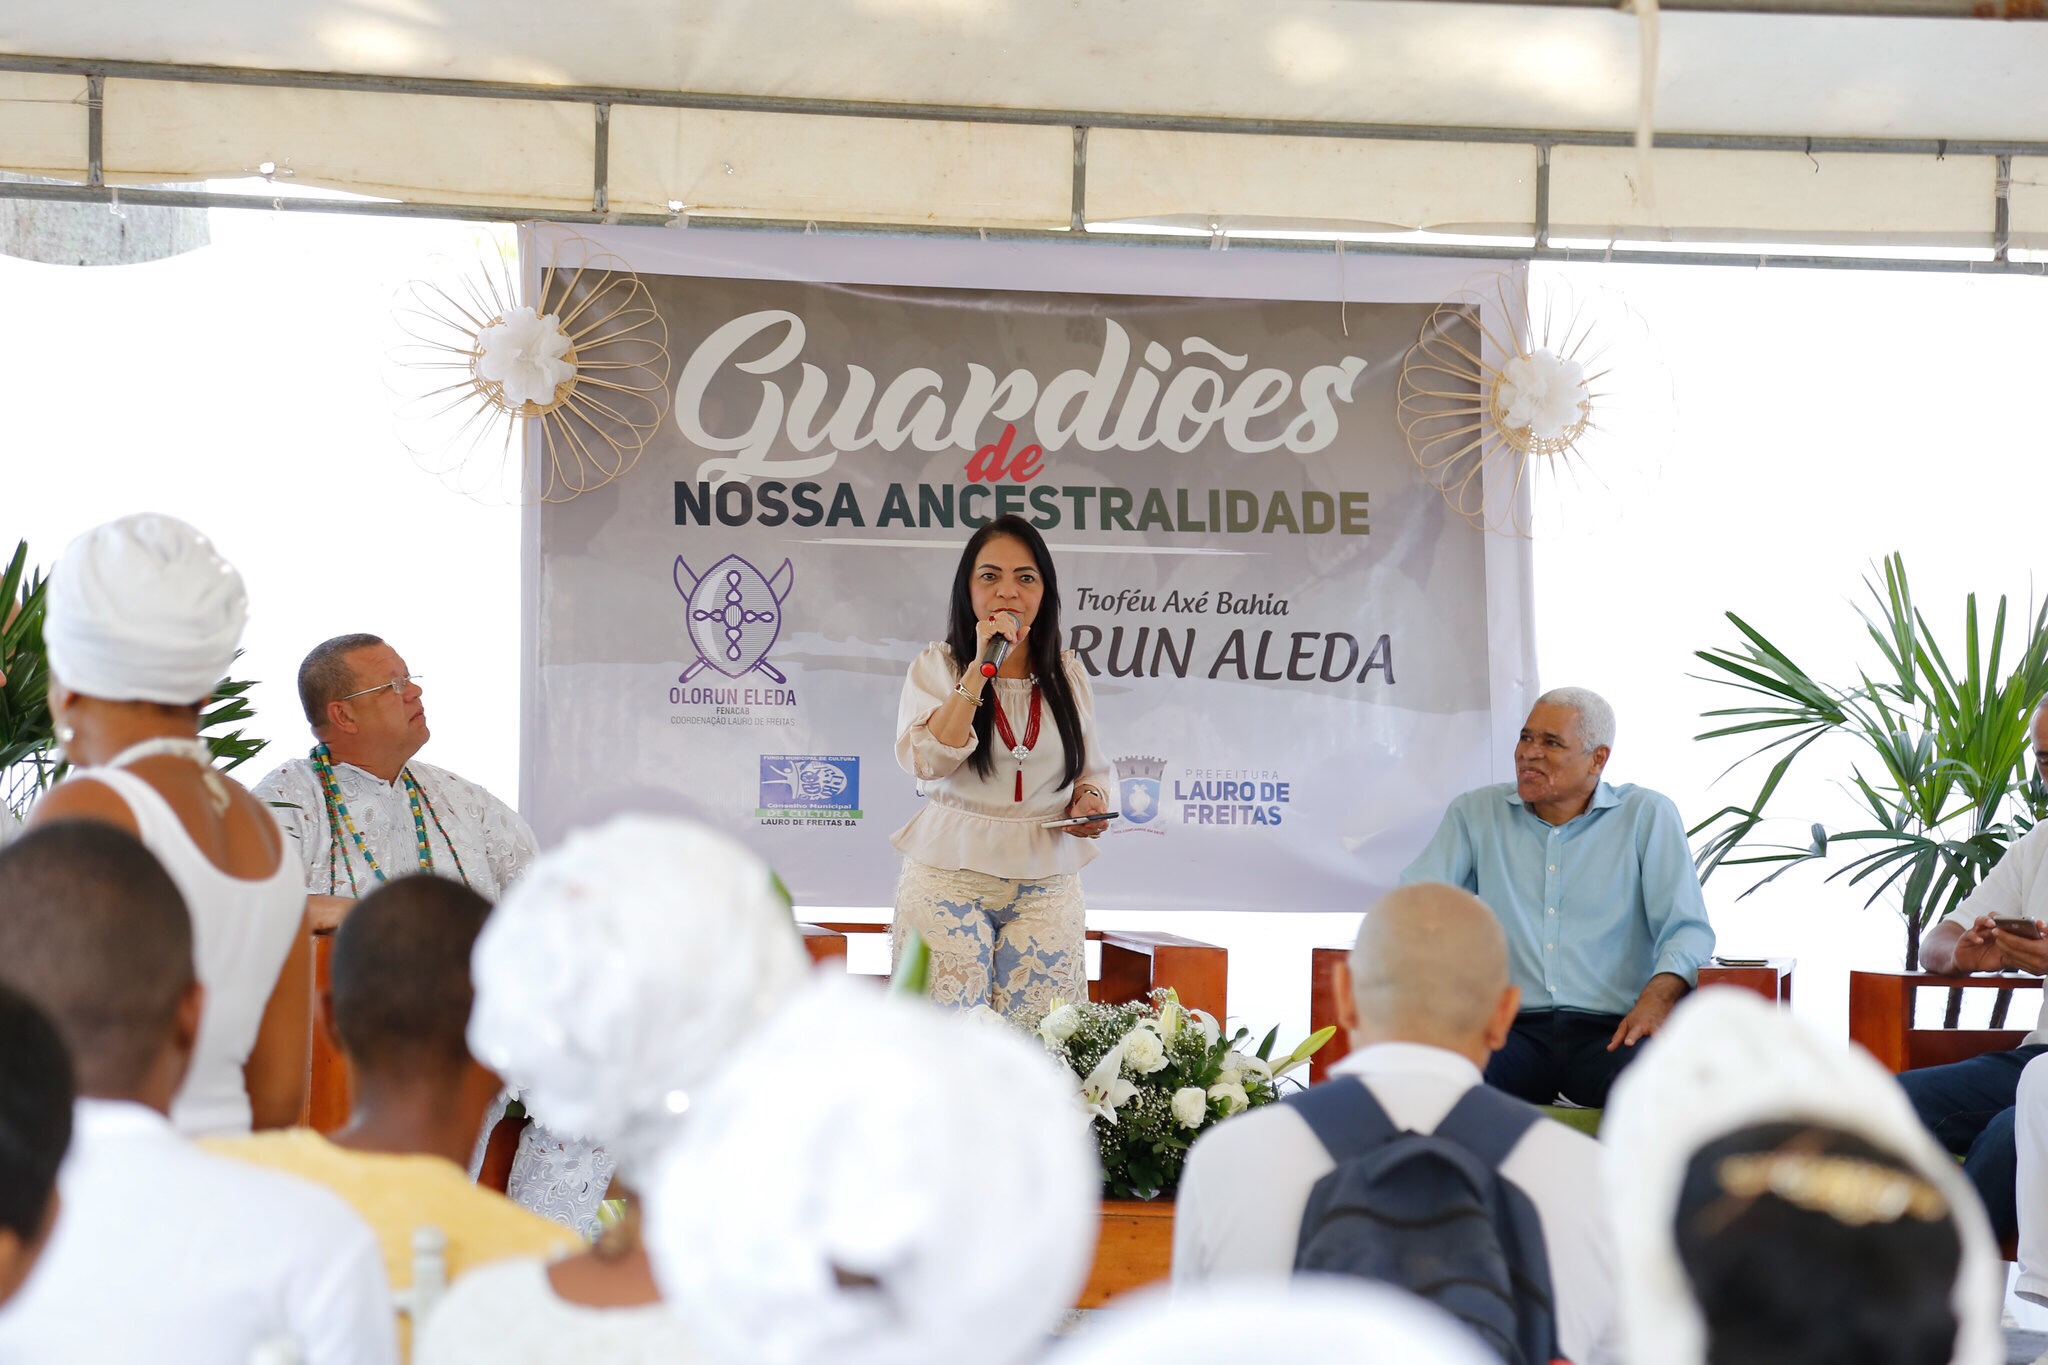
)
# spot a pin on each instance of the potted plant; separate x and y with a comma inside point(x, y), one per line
point(29, 761)
point(1937, 753)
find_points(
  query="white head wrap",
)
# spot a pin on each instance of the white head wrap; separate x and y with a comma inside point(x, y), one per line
point(620, 972)
point(1729, 1060)
point(942, 1162)
point(144, 609)
point(1314, 1320)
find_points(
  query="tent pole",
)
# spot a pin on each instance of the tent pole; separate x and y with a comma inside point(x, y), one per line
point(1505, 251)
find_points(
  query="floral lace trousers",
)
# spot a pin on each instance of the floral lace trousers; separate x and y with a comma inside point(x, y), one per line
point(1011, 946)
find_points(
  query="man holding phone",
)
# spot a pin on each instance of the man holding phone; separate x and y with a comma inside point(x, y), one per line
point(1968, 1105)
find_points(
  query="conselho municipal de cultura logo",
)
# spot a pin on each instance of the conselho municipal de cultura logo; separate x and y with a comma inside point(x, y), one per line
point(809, 789)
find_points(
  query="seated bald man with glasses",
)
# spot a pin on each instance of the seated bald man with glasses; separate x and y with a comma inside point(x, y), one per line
point(360, 811)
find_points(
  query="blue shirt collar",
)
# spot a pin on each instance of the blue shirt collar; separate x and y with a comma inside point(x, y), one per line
point(1603, 797)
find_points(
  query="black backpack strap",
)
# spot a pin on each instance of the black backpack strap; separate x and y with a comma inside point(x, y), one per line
point(1488, 1123)
point(1345, 1117)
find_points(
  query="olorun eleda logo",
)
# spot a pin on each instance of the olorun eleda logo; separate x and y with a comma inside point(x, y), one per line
point(734, 616)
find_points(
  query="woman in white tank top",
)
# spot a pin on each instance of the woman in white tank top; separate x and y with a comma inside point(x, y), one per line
point(143, 618)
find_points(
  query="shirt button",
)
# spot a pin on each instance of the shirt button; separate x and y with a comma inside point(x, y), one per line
point(1551, 911)
point(1553, 867)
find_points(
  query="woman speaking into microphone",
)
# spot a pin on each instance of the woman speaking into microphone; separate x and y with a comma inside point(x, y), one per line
point(998, 725)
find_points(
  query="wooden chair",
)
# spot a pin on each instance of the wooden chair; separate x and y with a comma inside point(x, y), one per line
point(327, 1098)
point(1133, 963)
point(1330, 974)
point(1881, 1018)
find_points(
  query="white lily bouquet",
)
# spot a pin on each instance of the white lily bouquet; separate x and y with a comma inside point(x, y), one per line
point(1154, 1074)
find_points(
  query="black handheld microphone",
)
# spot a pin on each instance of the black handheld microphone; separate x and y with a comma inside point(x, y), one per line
point(999, 648)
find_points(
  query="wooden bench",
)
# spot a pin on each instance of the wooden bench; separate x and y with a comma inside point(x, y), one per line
point(1330, 975)
point(1134, 963)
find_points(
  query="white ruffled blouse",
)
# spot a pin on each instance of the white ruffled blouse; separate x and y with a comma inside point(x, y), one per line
point(976, 823)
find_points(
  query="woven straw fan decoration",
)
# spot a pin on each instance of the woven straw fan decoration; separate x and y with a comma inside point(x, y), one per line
point(587, 359)
point(1535, 407)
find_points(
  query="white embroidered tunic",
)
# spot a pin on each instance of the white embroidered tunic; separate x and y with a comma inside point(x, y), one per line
point(976, 823)
point(491, 842)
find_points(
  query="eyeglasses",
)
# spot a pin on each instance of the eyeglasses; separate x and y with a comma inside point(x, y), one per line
point(397, 686)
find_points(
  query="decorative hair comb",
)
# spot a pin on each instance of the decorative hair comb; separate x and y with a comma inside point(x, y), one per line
point(1847, 1189)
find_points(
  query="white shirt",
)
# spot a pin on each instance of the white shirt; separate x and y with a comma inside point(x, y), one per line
point(167, 1254)
point(242, 932)
point(466, 826)
point(977, 823)
point(2015, 889)
point(1247, 1183)
point(508, 1314)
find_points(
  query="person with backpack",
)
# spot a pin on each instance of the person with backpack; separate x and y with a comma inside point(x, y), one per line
point(1403, 1167)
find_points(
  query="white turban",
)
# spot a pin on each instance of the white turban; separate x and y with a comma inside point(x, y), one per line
point(1730, 1060)
point(1312, 1320)
point(144, 609)
point(877, 1182)
point(620, 971)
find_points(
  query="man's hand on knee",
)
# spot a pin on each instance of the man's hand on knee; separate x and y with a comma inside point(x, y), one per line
point(1652, 1008)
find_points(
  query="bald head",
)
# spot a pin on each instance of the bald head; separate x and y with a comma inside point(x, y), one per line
point(1430, 966)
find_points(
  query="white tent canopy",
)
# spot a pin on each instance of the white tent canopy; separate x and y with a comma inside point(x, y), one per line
point(1318, 115)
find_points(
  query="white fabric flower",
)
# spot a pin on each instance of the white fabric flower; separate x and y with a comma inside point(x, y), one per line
point(522, 353)
point(1190, 1106)
point(1543, 393)
point(1230, 1075)
point(1143, 1052)
point(1235, 1101)
point(1060, 1022)
point(1206, 1022)
point(1263, 1070)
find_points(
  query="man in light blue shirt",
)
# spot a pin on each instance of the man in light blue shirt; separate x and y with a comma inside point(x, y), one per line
point(1595, 889)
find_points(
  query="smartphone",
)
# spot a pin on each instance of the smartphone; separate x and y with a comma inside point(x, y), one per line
point(1081, 820)
point(2025, 928)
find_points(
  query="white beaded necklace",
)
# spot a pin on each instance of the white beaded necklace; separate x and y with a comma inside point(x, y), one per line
point(179, 746)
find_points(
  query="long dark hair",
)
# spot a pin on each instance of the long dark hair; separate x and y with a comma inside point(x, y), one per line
point(1043, 644)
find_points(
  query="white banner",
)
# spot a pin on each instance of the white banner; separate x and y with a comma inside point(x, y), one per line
point(1299, 655)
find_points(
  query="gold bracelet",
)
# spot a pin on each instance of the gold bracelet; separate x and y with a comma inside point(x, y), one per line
point(962, 691)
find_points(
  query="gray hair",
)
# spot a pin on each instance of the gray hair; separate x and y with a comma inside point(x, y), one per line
point(325, 676)
point(1596, 717)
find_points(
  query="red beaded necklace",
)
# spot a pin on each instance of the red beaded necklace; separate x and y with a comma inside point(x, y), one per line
point(1020, 752)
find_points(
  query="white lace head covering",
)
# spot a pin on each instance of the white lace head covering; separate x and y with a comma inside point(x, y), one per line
point(143, 609)
point(1729, 1060)
point(621, 970)
point(875, 1182)
point(1313, 1320)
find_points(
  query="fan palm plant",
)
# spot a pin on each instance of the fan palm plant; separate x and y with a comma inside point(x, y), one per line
point(1940, 772)
point(29, 761)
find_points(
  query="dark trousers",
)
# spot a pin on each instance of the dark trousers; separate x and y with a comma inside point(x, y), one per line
point(1968, 1107)
point(1561, 1052)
